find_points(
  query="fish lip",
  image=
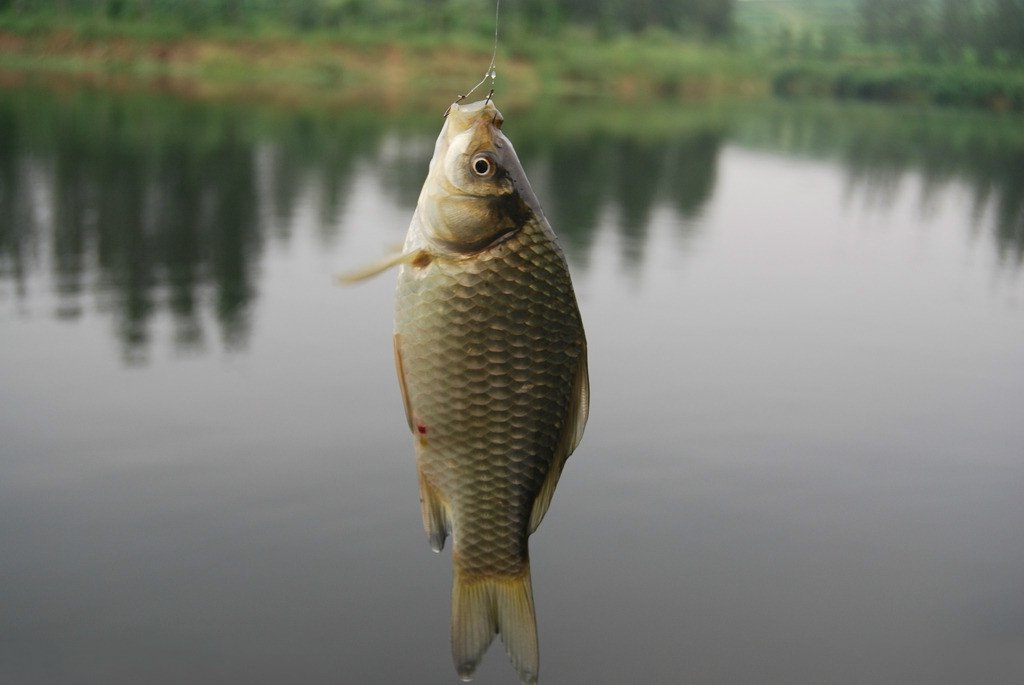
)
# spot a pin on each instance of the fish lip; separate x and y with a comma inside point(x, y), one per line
point(460, 110)
point(462, 118)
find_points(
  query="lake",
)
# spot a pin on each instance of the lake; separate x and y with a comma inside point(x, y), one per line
point(805, 455)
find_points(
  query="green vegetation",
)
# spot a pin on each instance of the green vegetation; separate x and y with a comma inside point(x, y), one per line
point(946, 52)
point(711, 18)
point(941, 84)
point(985, 31)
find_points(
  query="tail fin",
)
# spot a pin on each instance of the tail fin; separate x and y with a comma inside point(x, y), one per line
point(482, 607)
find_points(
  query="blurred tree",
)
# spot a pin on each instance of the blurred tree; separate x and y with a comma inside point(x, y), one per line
point(785, 41)
point(231, 11)
point(957, 26)
point(547, 16)
point(806, 45)
point(1006, 28)
point(992, 30)
point(833, 43)
point(711, 18)
point(872, 17)
point(893, 21)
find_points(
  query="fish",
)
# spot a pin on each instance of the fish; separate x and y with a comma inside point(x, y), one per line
point(491, 358)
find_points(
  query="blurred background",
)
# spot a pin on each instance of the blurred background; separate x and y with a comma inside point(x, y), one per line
point(951, 52)
point(796, 232)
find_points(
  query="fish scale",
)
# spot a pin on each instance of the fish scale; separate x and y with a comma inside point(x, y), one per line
point(488, 365)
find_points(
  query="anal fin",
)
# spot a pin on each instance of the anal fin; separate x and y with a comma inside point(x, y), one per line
point(436, 520)
point(572, 433)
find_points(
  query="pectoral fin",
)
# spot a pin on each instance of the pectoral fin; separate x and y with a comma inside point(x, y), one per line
point(413, 256)
point(572, 433)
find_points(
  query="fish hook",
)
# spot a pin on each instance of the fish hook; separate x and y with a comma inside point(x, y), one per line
point(457, 101)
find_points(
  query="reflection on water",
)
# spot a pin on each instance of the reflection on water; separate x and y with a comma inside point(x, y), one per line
point(140, 207)
point(878, 148)
point(583, 175)
point(150, 204)
point(803, 459)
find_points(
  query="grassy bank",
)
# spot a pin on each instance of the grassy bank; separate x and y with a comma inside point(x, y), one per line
point(363, 62)
point(359, 62)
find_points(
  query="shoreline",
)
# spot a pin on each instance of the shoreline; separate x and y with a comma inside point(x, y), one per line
point(337, 70)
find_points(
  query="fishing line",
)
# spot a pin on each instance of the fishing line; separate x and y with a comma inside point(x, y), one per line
point(492, 71)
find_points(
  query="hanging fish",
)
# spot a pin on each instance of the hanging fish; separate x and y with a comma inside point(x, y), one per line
point(492, 363)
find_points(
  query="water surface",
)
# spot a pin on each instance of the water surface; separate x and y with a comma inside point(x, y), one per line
point(804, 462)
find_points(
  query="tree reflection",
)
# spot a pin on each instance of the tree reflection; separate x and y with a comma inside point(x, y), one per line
point(629, 172)
point(74, 213)
point(206, 231)
point(170, 215)
point(156, 207)
point(17, 222)
point(692, 171)
point(879, 146)
point(640, 166)
point(580, 173)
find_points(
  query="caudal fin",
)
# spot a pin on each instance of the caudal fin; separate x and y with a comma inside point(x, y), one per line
point(482, 607)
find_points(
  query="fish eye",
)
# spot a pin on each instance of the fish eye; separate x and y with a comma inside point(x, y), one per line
point(482, 166)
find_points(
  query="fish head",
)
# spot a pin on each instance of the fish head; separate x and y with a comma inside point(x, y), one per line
point(476, 194)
